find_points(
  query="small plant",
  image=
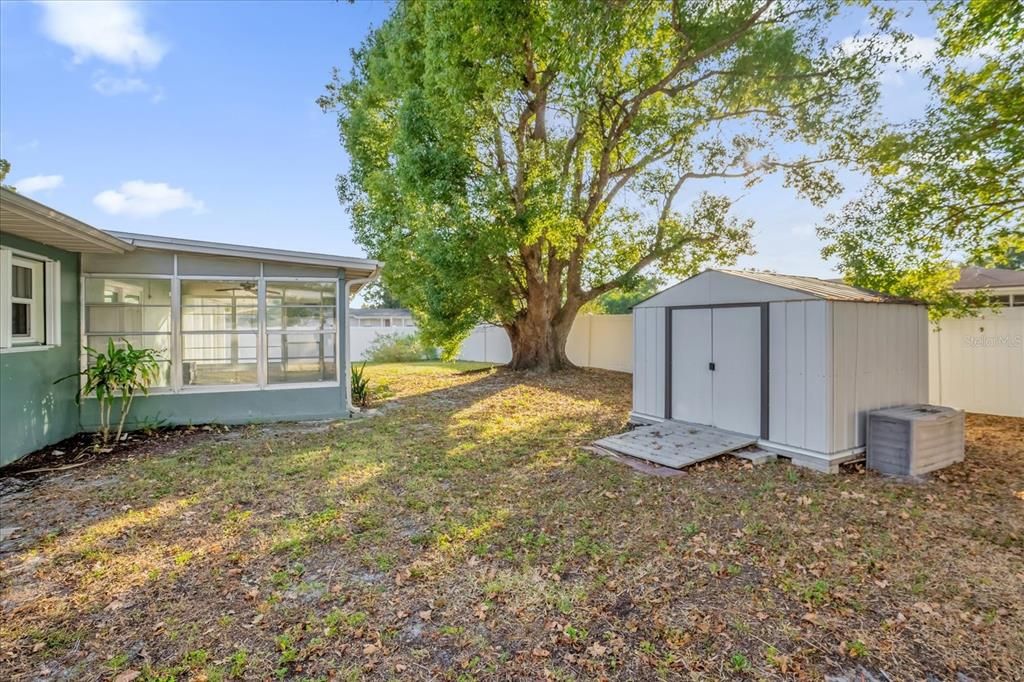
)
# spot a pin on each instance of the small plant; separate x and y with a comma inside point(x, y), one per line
point(360, 386)
point(399, 348)
point(738, 663)
point(120, 372)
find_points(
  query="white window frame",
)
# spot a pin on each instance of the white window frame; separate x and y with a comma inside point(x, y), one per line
point(44, 306)
point(176, 343)
point(83, 360)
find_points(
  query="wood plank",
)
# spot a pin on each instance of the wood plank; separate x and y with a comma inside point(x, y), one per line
point(675, 444)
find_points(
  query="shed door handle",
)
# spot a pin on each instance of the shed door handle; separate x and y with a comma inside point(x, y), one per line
point(711, 366)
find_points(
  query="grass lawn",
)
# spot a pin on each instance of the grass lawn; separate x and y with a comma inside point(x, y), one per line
point(465, 535)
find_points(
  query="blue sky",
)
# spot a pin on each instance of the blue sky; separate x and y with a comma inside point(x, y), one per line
point(198, 120)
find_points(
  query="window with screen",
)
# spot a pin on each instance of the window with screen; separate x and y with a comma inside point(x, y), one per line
point(301, 332)
point(129, 309)
point(219, 332)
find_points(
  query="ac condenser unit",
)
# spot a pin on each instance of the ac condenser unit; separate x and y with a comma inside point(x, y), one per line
point(914, 439)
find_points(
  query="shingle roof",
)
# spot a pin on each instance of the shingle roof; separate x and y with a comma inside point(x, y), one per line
point(989, 278)
point(819, 288)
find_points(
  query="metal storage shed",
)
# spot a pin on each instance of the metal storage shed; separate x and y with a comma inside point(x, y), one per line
point(796, 361)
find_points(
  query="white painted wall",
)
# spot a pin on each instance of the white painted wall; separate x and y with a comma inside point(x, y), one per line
point(977, 364)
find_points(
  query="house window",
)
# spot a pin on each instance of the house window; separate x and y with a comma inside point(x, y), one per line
point(369, 322)
point(29, 300)
point(409, 322)
point(129, 309)
point(301, 332)
point(219, 332)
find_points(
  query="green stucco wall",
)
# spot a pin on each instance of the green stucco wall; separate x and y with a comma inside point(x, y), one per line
point(33, 411)
point(228, 407)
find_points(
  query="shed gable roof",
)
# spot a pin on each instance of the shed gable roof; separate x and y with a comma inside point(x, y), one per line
point(715, 287)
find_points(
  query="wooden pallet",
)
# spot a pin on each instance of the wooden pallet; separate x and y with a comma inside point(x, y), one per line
point(676, 444)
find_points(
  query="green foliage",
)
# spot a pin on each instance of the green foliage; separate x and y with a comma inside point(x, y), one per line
point(514, 161)
point(360, 386)
point(5, 168)
point(377, 295)
point(118, 374)
point(621, 301)
point(400, 348)
point(948, 187)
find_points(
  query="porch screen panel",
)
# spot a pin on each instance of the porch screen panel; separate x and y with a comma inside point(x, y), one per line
point(301, 332)
point(219, 332)
point(135, 310)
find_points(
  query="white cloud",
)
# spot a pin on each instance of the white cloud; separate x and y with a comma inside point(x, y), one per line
point(920, 51)
point(141, 199)
point(38, 183)
point(111, 31)
point(111, 86)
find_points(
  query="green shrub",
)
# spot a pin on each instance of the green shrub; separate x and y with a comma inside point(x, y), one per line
point(360, 386)
point(399, 348)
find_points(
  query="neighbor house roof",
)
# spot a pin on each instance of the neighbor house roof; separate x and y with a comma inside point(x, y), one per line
point(819, 288)
point(30, 219)
point(380, 312)
point(974, 277)
point(354, 267)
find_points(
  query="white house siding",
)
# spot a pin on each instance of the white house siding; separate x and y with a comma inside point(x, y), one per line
point(799, 376)
point(977, 364)
point(880, 359)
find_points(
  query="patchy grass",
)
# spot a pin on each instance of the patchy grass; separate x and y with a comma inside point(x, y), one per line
point(465, 535)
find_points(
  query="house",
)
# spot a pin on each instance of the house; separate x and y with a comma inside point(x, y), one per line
point(245, 334)
point(1005, 287)
point(796, 362)
point(384, 318)
point(368, 325)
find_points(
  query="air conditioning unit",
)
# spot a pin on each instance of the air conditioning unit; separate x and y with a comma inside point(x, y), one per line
point(914, 439)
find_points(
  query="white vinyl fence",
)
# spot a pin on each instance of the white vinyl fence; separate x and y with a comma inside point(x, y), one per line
point(975, 364)
point(602, 341)
point(360, 338)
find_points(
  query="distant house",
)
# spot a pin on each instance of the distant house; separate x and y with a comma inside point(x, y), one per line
point(1004, 286)
point(367, 325)
point(381, 317)
point(245, 334)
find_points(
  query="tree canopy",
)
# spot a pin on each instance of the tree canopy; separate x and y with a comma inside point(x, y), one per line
point(948, 188)
point(512, 161)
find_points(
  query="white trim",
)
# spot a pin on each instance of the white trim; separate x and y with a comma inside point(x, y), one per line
point(126, 275)
point(27, 348)
point(46, 217)
point(36, 303)
point(5, 298)
point(52, 309)
point(242, 251)
point(303, 384)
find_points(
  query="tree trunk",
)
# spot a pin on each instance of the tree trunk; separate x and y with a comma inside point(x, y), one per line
point(538, 338)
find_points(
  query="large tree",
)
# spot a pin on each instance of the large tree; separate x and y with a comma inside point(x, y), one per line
point(947, 188)
point(511, 161)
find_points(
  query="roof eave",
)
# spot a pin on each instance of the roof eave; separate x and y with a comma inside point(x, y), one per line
point(354, 267)
point(47, 217)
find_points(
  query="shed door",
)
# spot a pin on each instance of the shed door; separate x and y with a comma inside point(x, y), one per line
point(736, 352)
point(691, 353)
point(729, 341)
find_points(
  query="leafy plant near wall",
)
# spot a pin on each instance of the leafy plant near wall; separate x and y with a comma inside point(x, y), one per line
point(119, 373)
point(360, 386)
point(400, 348)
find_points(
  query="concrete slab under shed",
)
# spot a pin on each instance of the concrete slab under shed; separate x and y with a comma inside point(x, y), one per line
point(676, 444)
